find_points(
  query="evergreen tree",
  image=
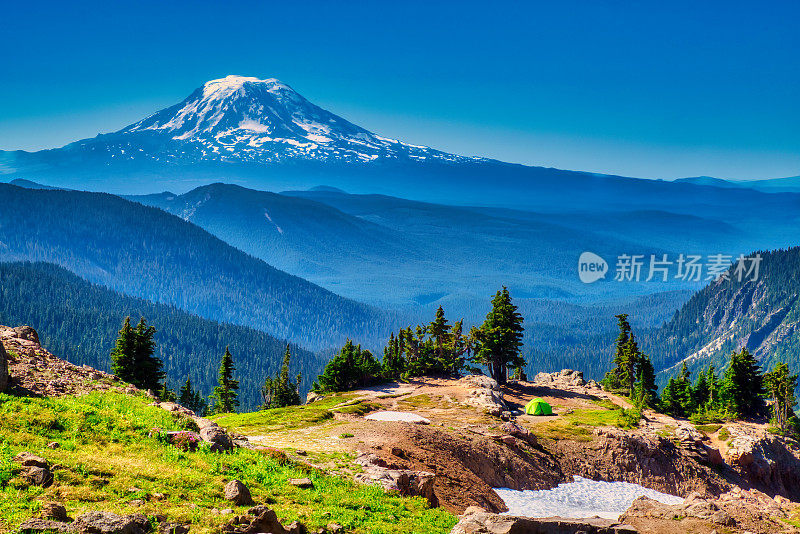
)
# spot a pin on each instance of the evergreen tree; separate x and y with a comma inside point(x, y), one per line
point(192, 399)
point(645, 391)
point(394, 363)
point(166, 394)
point(616, 377)
point(224, 397)
point(781, 386)
point(633, 371)
point(713, 387)
point(676, 399)
point(123, 363)
point(149, 368)
point(500, 337)
point(743, 385)
point(351, 367)
point(133, 358)
point(280, 391)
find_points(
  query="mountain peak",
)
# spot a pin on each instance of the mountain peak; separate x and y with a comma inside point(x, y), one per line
point(244, 119)
point(224, 87)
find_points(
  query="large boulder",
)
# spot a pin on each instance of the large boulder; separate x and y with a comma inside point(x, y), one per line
point(218, 438)
point(262, 519)
point(560, 379)
point(484, 393)
point(109, 523)
point(393, 477)
point(237, 493)
point(35, 469)
point(27, 333)
point(4, 378)
point(480, 522)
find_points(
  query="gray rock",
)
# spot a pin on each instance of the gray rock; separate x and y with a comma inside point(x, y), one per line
point(54, 511)
point(301, 482)
point(264, 520)
point(218, 438)
point(26, 459)
point(237, 493)
point(44, 525)
point(27, 333)
point(480, 522)
point(313, 397)
point(173, 528)
point(38, 476)
point(109, 523)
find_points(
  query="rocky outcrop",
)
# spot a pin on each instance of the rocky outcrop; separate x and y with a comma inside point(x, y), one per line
point(36, 372)
point(693, 506)
point(261, 519)
point(110, 523)
point(645, 458)
point(484, 393)
point(91, 523)
point(393, 477)
point(35, 469)
point(561, 379)
point(737, 510)
point(480, 522)
point(764, 460)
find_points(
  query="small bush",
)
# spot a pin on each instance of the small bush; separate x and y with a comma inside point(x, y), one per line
point(724, 434)
point(185, 441)
point(275, 454)
point(629, 418)
point(346, 435)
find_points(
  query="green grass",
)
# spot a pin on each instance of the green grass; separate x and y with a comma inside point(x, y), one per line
point(605, 403)
point(577, 424)
point(356, 408)
point(276, 419)
point(724, 434)
point(708, 429)
point(106, 450)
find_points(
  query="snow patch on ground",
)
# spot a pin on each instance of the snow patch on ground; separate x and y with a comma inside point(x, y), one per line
point(579, 499)
point(403, 417)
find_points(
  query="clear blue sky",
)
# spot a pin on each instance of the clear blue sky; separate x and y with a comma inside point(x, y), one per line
point(651, 89)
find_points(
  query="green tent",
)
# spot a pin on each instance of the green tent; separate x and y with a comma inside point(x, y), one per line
point(538, 407)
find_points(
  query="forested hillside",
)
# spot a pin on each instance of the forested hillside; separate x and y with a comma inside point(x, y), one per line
point(79, 321)
point(147, 253)
point(762, 315)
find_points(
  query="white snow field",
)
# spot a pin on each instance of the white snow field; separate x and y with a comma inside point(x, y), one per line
point(579, 499)
point(404, 417)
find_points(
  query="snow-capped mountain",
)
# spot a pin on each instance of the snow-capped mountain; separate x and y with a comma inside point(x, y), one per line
point(248, 120)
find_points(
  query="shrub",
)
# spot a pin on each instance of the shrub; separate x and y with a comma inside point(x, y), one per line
point(185, 441)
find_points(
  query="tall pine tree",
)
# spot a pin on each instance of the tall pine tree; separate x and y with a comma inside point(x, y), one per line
point(149, 368)
point(224, 398)
point(743, 385)
point(781, 385)
point(192, 399)
point(123, 363)
point(280, 391)
point(500, 337)
point(133, 357)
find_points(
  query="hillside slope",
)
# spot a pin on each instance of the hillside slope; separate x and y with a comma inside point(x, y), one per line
point(79, 321)
point(762, 315)
point(147, 253)
point(394, 252)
